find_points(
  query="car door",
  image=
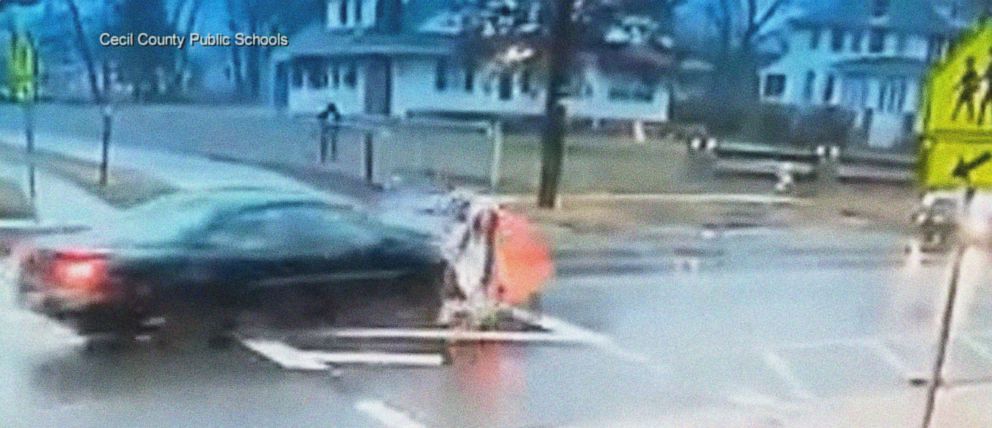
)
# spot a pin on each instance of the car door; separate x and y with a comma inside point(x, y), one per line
point(238, 250)
point(329, 246)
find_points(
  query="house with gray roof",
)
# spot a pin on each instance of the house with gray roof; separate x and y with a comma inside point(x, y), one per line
point(866, 56)
point(406, 57)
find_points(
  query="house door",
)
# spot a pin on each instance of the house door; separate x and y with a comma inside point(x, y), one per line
point(280, 91)
point(379, 86)
point(505, 86)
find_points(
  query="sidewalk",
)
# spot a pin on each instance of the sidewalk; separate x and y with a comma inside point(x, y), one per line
point(183, 171)
point(194, 172)
point(57, 202)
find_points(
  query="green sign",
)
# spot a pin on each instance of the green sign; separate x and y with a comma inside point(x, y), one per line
point(22, 69)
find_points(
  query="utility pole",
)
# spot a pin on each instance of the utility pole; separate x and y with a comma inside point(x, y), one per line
point(553, 138)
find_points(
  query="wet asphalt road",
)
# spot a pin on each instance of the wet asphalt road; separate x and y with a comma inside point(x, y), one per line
point(760, 327)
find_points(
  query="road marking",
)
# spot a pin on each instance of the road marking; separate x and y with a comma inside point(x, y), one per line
point(454, 336)
point(291, 358)
point(600, 341)
point(784, 371)
point(284, 355)
point(891, 358)
point(978, 347)
point(739, 198)
point(826, 343)
point(386, 414)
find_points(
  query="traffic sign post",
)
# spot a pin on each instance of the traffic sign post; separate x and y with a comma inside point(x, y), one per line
point(22, 80)
point(956, 153)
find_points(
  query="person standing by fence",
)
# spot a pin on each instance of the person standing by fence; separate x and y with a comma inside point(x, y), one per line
point(330, 126)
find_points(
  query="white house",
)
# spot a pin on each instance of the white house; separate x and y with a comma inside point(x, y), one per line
point(400, 58)
point(866, 56)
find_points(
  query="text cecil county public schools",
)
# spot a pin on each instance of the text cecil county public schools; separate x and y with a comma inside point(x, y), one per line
point(192, 39)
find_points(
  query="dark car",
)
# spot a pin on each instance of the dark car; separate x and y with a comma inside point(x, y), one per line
point(287, 256)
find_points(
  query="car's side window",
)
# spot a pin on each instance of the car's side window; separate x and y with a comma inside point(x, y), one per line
point(319, 227)
point(300, 228)
point(248, 230)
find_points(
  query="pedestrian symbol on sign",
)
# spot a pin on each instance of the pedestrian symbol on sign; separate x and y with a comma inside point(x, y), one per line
point(956, 139)
point(22, 69)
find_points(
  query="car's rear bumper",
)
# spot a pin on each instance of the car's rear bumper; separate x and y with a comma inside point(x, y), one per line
point(83, 314)
point(89, 319)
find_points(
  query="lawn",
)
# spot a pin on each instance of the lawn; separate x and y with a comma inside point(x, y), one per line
point(598, 163)
point(125, 188)
point(14, 203)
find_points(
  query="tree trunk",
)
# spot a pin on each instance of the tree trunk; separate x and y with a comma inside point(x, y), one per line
point(236, 54)
point(84, 50)
point(253, 60)
point(553, 139)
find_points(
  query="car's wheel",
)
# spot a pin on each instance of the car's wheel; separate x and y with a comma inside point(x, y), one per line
point(427, 295)
point(412, 301)
point(297, 308)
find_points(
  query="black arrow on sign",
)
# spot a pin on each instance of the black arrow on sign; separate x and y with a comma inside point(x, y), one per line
point(964, 169)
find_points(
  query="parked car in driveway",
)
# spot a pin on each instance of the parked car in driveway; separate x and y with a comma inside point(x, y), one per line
point(288, 256)
point(937, 220)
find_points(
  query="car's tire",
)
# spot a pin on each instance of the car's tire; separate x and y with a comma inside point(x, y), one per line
point(411, 301)
point(297, 308)
point(426, 294)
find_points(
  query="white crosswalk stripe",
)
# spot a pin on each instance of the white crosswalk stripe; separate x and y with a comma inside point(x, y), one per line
point(887, 360)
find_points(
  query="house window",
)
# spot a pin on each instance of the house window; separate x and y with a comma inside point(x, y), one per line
point(358, 11)
point(335, 74)
point(505, 85)
point(876, 41)
point(883, 93)
point(828, 91)
point(879, 8)
point(837, 39)
point(317, 75)
point(814, 39)
point(857, 41)
point(854, 92)
point(902, 87)
point(892, 95)
point(351, 75)
point(525, 83)
point(637, 93)
point(901, 42)
point(774, 85)
point(469, 78)
point(934, 48)
point(908, 123)
point(297, 75)
point(808, 87)
point(343, 12)
point(441, 75)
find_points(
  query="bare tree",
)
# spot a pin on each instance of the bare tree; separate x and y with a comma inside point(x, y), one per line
point(261, 16)
point(741, 27)
point(184, 18)
point(85, 52)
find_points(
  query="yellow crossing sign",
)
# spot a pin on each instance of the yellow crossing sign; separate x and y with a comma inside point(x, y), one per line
point(957, 115)
point(22, 69)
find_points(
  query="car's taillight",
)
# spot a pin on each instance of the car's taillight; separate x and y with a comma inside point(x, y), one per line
point(79, 271)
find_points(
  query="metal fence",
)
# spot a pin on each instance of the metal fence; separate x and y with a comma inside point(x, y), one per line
point(389, 152)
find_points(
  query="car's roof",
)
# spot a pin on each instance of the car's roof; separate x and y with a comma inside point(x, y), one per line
point(235, 198)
